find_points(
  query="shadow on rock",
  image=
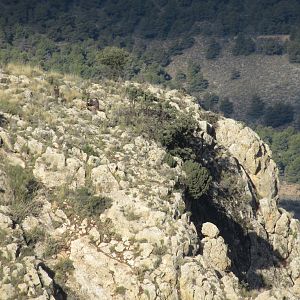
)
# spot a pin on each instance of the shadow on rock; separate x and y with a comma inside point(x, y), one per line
point(248, 252)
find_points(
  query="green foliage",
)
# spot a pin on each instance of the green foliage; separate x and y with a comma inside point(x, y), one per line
point(294, 51)
point(226, 106)
point(170, 161)
point(24, 187)
point(293, 171)
point(88, 205)
point(213, 50)
point(210, 100)
point(243, 46)
point(256, 108)
point(62, 269)
point(195, 80)
point(198, 179)
point(279, 114)
point(121, 290)
point(10, 107)
point(89, 150)
point(177, 136)
point(35, 235)
point(285, 145)
point(115, 59)
point(271, 47)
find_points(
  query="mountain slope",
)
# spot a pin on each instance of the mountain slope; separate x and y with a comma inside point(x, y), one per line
point(137, 193)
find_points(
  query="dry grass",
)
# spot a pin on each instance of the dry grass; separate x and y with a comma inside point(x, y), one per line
point(8, 104)
point(22, 69)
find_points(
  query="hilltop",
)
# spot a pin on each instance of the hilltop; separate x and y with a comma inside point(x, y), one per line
point(135, 195)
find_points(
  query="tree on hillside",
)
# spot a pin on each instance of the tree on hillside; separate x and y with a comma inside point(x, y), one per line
point(279, 114)
point(256, 108)
point(244, 45)
point(195, 81)
point(115, 59)
point(226, 106)
point(213, 50)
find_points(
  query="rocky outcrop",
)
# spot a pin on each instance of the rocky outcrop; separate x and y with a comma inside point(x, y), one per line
point(254, 155)
point(110, 220)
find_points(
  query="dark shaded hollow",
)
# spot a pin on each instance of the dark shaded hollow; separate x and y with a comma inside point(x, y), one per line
point(243, 247)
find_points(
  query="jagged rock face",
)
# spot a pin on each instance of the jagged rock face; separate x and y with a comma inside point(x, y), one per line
point(144, 244)
point(252, 154)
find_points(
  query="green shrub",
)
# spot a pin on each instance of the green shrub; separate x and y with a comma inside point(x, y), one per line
point(24, 187)
point(35, 235)
point(210, 101)
point(271, 47)
point(88, 205)
point(177, 135)
point(115, 59)
point(62, 269)
point(294, 51)
point(243, 46)
point(170, 161)
point(213, 50)
point(279, 114)
point(89, 150)
point(121, 290)
point(198, 179)
point(10, 107)
point(226, 106)
point(256, 108)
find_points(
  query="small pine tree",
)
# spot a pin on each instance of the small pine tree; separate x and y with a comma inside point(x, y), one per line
point(226, 106)
point(243, 46)
point(256, 108)
point(198, 179)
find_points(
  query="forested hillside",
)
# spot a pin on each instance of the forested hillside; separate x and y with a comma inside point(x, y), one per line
point(139, 40)
point(48, 32)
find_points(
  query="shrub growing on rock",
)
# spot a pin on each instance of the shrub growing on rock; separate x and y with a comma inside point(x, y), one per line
point(24, 187)
point(88, 205)
point(198, 179)
point(170, 161)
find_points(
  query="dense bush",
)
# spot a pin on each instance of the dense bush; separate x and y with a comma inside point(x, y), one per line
point(214, 49)
point(88, 205)
point(226, 106)
point(279, 114)
point(198, 179)
point(271, 47)
point(285, 146)
point(170, 161)
point(256, 108)
point(24, 187)
point(244, 45)
point(210, 101)
point(115, 59)
point(195, 81)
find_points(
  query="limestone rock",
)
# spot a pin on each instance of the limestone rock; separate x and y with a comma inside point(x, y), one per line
point(103, 180)
point(210, 230)
point(5, 222)
point(215, 253)
point(252, 154)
